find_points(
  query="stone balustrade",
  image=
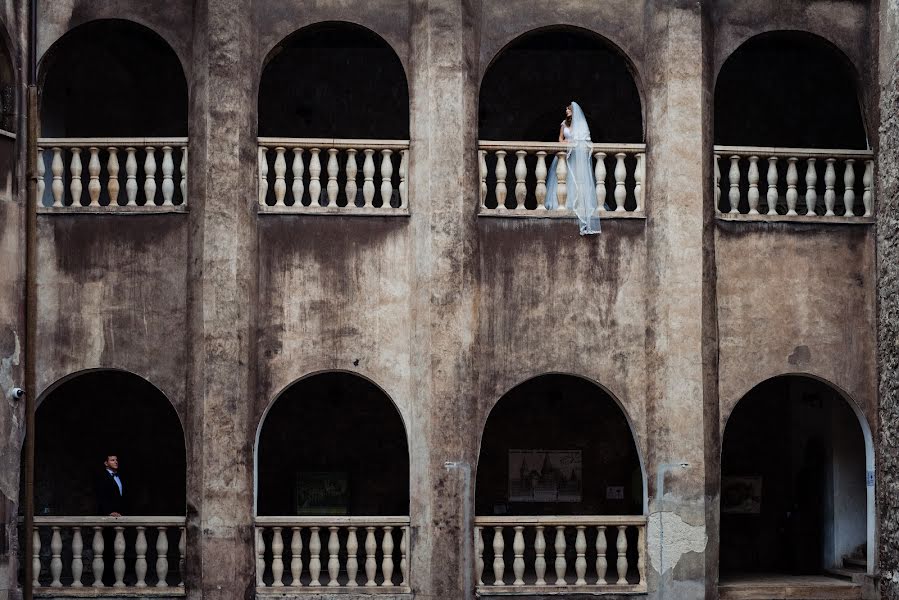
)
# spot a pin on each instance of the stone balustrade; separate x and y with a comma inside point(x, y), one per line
point(513, 179)
point(794, 184)
point(71, 555)
point(112, 174)
point(306, 554)
point(331, 176)
point(553, 554)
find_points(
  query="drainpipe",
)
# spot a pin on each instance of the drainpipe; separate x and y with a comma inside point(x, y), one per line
point(30, 296)
point(465, 469)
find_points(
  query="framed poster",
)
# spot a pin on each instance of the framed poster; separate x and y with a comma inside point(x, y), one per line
point(545, 476)
point(741, 495)
point(322, 493)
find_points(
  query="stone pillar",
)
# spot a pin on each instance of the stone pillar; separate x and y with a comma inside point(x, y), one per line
point(886, 202)
point(443, 191)
point(222, 299)
point(681, 399)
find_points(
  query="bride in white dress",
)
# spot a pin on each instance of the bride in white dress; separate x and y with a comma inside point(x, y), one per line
point(580, 182)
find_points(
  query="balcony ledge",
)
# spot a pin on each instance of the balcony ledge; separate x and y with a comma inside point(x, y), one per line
point(818, 220)
point(557, 214)
point(115, 210)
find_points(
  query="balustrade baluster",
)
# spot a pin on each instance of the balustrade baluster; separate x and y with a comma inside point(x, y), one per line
point(518, 551)
point(296, 556)
point(371, 566)
point(368, 175)
point(183, 169)
point(602, 564)
point(315, 184)
point(849, 188)
point(499, 563)
point(36, 558)
point(479, 552)
point(521, 171)
point(830, 196)
point(57, 167)
point(131, 175)
point(580, 563)
point(540, 556)
point(404, 166)
point(717, 158)
point(333, 551)
point(182, 551)
point(140, 562)
point(753, 194)
point(332, 187)
point(168, 172)
point(75, 185)
point(118, 566)
point(280, 187)
point(277, 557)
point(55, 557)
point(98, 546)
point(351, 171)
point(771, 195)
point(621, 546)
point(868, 182)
point(260, 558)
point(540, 172)
point(296, 188)
point(150, 177)
point(500, 171)
point(387, 556)
point(811, 194)
point(112, 167)
point(792, 180)
point(482, 175)
point(93, 171)
point(352, 557)
point(404, 565)
point(560, 564)
point(315, 548)
point(386, 177)
point(641, 553)
point(599, 172)
point(639, 178)
point(77, 560)
point(562, 180)
point(620, 174)
point(162, 556)
point(733, 177)
point(41, 176)
point(263, 174)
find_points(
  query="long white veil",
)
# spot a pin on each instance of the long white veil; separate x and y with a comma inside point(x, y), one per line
point(580, 181)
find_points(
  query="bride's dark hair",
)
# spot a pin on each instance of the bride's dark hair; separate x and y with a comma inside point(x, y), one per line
point(568, 117)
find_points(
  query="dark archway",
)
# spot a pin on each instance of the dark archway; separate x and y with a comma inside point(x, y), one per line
point(103, 412)
point(793, 481)
point(526, 88)
point(334, 80)
point(332, 443)
point(788, 89)
point(112, 78)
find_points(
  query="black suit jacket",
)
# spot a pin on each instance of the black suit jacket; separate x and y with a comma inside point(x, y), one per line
point(109, 500)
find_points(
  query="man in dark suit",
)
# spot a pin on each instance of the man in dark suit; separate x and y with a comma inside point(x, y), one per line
point(109, 489)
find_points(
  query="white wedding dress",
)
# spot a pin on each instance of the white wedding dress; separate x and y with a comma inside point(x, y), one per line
point(580, 182)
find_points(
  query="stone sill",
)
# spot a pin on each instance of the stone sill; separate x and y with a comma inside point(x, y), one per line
point(341, 593)
point(341, 211)
point(532, 592)
point(761, 218)
point(557, 214)
point(105, 210)
point(110, 593)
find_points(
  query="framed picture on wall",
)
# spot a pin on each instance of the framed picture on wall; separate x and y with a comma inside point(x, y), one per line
point(545, 476)
point(741, 495)
point(322, 493)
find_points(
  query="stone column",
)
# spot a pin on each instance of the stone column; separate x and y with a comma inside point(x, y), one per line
point(443, 190)
point(222, 299)
point(886, 202)
point(681, 398)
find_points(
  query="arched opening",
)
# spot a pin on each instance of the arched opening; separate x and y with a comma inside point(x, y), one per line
point(788, 89)
point(112, 78)
point(794, 497)
point(8, 112)
point(558, 451)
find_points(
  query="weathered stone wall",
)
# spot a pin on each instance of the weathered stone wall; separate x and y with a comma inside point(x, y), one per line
point(888, 299)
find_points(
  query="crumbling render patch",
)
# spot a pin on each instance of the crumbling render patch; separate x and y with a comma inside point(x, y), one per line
point(670, 537)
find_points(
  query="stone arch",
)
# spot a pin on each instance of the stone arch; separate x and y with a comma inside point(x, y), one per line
point(765, 94)
point(112, 78)
point(286, 108)
point(387, 447)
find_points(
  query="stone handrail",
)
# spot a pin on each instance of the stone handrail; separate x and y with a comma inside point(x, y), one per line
point(71, 553)
point(794, 184)
point(291, 551)
point(325, 176)
point(616, 541)
point(619, 171)
point(112, 174)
